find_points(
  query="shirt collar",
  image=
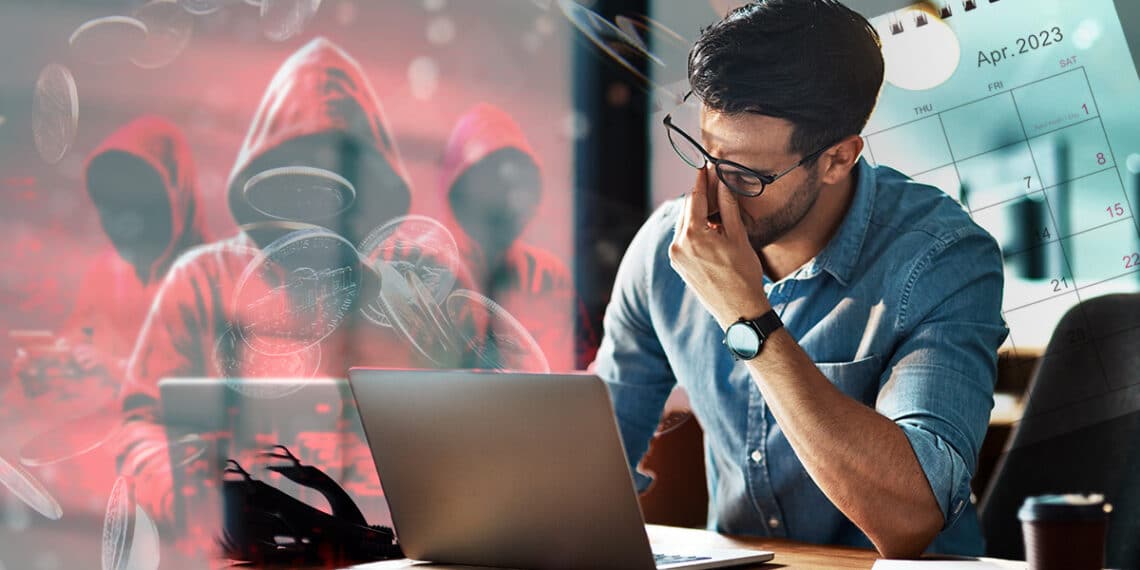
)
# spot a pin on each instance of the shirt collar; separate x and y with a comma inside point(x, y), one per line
point(838, 257)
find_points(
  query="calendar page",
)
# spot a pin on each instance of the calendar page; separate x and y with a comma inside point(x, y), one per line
point(1028, 113)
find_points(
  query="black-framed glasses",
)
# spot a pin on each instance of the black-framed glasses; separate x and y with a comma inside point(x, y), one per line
point(736, 177)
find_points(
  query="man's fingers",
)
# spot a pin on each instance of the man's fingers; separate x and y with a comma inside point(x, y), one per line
point(729, 211)
point(698, 209)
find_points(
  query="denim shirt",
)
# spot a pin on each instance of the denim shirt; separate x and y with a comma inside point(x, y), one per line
point(901, 310)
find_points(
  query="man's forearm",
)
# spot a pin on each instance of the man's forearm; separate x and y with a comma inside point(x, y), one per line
point(860, 459)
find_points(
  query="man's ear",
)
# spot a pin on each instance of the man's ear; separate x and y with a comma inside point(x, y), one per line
point(838, 161)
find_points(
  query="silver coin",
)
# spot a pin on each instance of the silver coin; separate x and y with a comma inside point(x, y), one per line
point(118, 525)
point(72, 438)
point(241, 366)
point(169, 28)
point(144, 551)
point(409, 307)
point(412, 244)
point(624, 50)
point(201, 7)
point(299, 193)
point(56, 116)
point(29, 490)
point(496, 338)
point(111, 39)
point(297, 291)
point(283, 19)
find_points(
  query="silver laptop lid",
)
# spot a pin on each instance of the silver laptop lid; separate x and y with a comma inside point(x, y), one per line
point(509, 470)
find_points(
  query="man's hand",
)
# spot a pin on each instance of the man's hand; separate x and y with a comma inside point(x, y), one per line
point(716, 260)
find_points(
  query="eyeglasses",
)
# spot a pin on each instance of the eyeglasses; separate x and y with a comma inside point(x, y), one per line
point(736, 177)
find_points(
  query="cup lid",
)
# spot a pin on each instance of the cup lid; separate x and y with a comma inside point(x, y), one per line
point(1072, 507)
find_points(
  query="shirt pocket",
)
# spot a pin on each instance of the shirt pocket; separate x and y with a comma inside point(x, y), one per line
point(858, 379)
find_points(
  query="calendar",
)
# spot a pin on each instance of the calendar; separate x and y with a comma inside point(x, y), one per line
point(1028, 113)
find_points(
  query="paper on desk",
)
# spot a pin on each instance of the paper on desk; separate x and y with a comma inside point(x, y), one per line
point(974, 564)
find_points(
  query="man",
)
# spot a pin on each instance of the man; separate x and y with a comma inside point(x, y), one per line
point(319, 113)
point(855, 388)
point(492, 183)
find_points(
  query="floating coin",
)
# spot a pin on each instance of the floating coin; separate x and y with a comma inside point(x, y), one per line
point(416, 244)
point(299, 193)
point(56, 116)
point(283, 19)
point(118, 525)
point(498, 340)
point(201, 7)
point(297, 291)
point(169, 28)
point(242, 367)
point(622, 49)
point(29, 490)
point(110, 39)
point(404, 303)
point(144, 553)
point(72, 438)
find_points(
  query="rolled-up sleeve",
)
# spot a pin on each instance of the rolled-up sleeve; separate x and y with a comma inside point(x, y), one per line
point(938, 387)
point(630, 358)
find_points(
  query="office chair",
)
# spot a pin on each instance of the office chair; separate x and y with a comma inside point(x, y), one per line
point(1079, 430)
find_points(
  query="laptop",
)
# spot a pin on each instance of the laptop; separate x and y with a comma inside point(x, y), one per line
point(510, 470)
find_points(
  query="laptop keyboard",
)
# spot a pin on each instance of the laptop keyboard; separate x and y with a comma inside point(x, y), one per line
point(663, 559)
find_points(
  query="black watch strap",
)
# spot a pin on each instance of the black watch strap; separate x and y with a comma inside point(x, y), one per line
point(767, 324)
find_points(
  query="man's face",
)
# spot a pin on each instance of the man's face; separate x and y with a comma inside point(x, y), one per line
point(761, 143)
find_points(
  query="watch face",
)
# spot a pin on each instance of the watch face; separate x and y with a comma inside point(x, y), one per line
point(742, 340)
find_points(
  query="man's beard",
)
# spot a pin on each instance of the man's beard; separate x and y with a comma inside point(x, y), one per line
point(767, 230)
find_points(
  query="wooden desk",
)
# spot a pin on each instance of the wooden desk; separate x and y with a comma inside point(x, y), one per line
point(789, 554)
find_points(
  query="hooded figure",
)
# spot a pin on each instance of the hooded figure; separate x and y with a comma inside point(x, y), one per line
point(142, 182)
point(492, 183)
point(319, 112)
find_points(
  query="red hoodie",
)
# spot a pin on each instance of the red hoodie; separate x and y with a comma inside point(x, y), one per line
point(115, 294)
point(318, 110)
point(531, 283)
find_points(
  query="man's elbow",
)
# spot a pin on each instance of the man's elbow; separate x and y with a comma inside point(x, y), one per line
point(911, 536)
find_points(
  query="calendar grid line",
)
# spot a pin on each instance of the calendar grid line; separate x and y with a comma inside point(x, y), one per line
point(1053, 217)
point(1111, 152)
point(1043, 189)
point(980, 99)
point(1066, 236)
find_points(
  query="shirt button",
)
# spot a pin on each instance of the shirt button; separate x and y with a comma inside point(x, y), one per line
point(757, 456)
point(774, 522)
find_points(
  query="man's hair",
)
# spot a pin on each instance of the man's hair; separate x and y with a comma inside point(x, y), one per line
point(814, 63)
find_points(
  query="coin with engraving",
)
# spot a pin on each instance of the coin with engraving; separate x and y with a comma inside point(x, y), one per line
point(248, 371)
point(416, 244)
point(283, 19)
point(130, 537)
point(110, 39)
point(118, 525)
point(29, 490)
point(168, 31)
point(497, 339)
point(299, 193)
point(55, 119)
point(297, 291)
point(409, 307)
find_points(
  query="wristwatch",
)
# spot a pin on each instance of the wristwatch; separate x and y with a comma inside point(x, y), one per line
point(745, 337)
